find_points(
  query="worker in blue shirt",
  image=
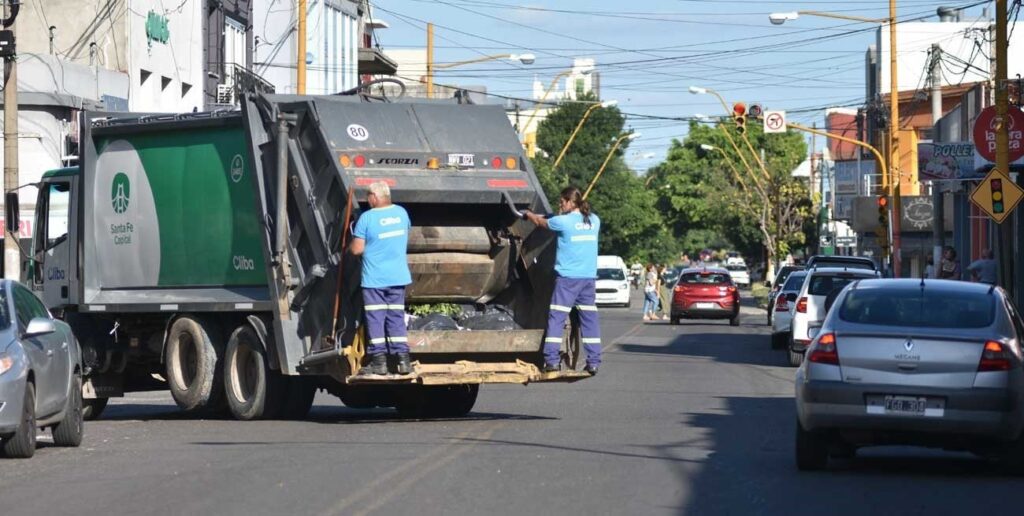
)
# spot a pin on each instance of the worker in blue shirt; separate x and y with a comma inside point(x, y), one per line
point(576, 271)
point(381, 237)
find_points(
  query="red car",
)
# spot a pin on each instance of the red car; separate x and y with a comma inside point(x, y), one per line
point(705, 293)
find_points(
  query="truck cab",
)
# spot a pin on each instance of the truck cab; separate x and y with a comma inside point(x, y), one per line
point(52, 270)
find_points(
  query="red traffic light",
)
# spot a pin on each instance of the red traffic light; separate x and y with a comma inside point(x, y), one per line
point(883, 201)
point(739, 109)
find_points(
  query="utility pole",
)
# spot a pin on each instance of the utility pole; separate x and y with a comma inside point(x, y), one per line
point(300, 68)
point(938, 200)
point(895, 168)
point(12, 254)
point(1006, 254)
point(430, 60)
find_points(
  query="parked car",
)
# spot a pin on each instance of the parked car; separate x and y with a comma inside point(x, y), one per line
point(933, 363)
point(780, 280)
point(612, 285)
point(850, 262)
point(706, 293)
point(739, 274)
point(810, 304)
point(784, 306)
point(40, 374)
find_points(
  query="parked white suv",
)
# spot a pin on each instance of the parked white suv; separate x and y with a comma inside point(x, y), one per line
point(809, 312)
point(739, 273)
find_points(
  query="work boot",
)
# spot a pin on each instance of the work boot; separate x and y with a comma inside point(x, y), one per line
point(550, 368)
point(378, 365)
point(403, 365)
point(591, 370)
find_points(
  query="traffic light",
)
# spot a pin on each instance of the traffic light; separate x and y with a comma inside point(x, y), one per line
point(997, 195)
point(883, 224)
point(739, 115)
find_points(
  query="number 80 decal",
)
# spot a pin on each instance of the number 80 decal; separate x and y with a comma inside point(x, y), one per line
point(358, 132)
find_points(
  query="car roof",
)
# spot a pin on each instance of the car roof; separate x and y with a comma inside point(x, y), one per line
point(819, 271)
point(941, 285)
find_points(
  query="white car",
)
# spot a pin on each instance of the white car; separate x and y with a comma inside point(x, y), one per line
point(785, 303)
point(809, 312)
point(612, 286)
point(739, 274)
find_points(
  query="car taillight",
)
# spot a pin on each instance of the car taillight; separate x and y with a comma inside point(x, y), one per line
point(995, 357)
point(801, 305)
point(782, 305)
point(825, 351)
point(678, 289)
point(732, 289)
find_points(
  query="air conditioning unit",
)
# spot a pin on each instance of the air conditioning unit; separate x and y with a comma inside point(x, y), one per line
point(225, 94)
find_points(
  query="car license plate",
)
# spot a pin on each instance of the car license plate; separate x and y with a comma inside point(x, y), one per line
point(704, 306)
point(460, 160)
point(905, 405)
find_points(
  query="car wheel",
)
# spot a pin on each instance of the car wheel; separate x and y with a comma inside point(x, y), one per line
point(69, 431)
point(93, 408)
point(811, 449)
point(735, 320)
point(795, 358)
point(22, 444)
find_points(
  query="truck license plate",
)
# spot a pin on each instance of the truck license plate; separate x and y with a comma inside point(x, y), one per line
point(460, 160)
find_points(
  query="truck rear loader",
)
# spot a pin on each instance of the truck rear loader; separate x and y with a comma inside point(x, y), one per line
point(204, 253)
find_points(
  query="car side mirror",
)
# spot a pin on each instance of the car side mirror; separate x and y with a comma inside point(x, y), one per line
point(39, 326)
point(11, 212)
point(791, 297)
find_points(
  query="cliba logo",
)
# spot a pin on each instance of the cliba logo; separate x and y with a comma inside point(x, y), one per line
point(581, 226)
point(243, 263)
point(390, 221)
point(54, 273)
point(120, 192)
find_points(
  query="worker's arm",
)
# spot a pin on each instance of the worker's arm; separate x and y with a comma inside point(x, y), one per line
point(538, 220)
point(357, 247)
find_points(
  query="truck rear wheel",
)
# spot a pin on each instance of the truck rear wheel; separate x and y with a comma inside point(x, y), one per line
point(299, 400)
point(253, 389)
point(193, 361)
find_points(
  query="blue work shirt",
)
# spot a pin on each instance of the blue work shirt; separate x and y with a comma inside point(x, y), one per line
point(386, 232)
point(576, 255)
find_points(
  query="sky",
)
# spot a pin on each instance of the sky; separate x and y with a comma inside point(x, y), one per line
point(649, 52)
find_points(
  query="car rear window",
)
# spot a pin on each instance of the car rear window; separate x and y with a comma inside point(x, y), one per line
point(823, 285)
point(611, 274)
point(736, 268)
point(849, 264)
point(695, 278)
point(919, 308)
point(795, 281)
point(784, 274)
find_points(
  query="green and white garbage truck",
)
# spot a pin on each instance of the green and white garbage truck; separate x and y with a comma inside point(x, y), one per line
point(203, 253)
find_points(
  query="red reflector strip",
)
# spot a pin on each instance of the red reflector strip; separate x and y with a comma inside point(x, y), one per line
point(506, 183)
point(367, 181)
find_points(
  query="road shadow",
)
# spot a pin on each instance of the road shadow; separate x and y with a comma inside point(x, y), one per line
point(751, 470)
point(734, 348)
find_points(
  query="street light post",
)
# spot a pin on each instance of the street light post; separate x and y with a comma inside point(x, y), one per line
point(728, 161)
point(586, 114)
point(696, 90)
point(893, 188)
point(526, 59)
point(623, 137)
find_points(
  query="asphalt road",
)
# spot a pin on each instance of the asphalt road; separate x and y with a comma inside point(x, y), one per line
point(691, 419)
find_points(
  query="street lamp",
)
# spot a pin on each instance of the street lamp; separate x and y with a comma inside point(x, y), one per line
point(586, 114)
point(623, 137)
point(895, 170)
point(526, 59)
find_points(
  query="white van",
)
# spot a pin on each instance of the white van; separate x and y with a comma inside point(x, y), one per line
point(612, 286)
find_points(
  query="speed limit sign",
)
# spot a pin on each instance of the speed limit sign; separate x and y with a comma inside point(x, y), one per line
point(774, 122)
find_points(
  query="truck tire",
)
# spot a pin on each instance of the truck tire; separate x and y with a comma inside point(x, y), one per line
point(22, 443)
point(93, 408)
point(252, 388)
point(299, 399)
point(69, 431)
point(192, 359)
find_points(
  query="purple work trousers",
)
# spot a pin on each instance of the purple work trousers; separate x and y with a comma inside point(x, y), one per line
point(385, 320)
point(570, 292)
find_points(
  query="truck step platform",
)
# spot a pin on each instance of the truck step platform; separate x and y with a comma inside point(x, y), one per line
point(467, 372)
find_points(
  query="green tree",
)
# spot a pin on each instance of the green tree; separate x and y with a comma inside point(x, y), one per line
point(632, 226)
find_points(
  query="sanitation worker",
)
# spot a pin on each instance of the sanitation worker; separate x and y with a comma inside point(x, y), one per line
point(381, 237)
point(576, 270)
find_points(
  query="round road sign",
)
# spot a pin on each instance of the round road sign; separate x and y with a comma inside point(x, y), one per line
point(985, 132)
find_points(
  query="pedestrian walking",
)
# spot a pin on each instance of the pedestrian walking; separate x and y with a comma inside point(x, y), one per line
point(576, 271)
point(650, 293)
point(949, 268)
point(381, 237)
point(984, 269)
point(662, 272)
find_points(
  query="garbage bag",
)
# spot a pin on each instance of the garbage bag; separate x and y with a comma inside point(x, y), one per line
point(434, 322)
point(493, 318)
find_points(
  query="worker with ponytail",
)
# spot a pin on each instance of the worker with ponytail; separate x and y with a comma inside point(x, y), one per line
point(577, 228)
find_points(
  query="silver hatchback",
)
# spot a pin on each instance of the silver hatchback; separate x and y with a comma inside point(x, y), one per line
point(912, 362)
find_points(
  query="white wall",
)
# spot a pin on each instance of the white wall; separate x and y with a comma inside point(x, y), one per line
point(175, 80)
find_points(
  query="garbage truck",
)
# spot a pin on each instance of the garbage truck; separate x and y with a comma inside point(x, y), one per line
point(205, 253)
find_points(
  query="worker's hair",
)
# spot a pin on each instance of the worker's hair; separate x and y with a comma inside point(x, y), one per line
point(381, 190)
point(573, 195)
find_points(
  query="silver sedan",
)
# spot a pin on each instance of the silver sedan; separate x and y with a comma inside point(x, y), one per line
point(40, 374)
point(911, 362)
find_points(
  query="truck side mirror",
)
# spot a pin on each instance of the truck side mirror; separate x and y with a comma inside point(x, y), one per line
point(11, 213)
